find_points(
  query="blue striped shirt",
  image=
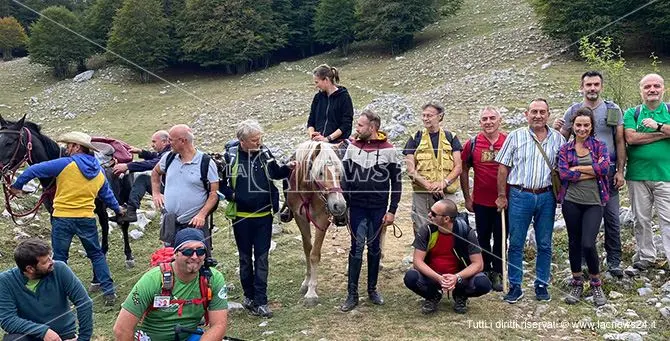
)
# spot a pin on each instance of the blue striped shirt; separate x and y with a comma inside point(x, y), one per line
point(528, 168)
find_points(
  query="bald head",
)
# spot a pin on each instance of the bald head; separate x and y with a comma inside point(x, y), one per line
point(181, 131)
point(652, 89)
point(447, 207)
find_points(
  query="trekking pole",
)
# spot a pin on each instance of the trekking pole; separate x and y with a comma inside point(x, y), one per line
point(504, 252)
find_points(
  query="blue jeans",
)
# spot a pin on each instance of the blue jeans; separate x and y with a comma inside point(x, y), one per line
point(541, 208)
point(62, 231)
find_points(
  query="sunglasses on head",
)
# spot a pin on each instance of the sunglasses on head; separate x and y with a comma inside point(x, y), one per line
point(432, 213)
point(189, 252)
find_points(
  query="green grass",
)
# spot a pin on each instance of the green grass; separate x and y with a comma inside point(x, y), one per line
point(368, 72)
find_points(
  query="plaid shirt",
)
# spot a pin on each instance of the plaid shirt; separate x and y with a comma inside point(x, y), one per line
point(567, 157)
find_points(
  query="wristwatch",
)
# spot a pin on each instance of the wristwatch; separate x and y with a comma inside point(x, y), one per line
point(459, 279)
point(329, 138)
point(659, 127)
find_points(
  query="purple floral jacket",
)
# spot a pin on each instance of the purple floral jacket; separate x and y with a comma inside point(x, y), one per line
point(567, 157)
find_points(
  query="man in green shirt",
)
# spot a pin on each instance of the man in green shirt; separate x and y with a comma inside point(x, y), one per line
point(149, 314)
point(647, 129)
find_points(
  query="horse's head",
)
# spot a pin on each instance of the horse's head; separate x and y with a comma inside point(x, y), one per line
point(12, 143)
point(323, 167)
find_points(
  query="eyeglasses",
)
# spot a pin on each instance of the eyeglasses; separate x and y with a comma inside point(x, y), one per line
point(189, 252)
point(432, 213)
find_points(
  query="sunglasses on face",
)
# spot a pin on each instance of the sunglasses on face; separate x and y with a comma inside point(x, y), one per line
point(189, 252)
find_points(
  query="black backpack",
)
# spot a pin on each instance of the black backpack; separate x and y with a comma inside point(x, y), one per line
point(470, 160)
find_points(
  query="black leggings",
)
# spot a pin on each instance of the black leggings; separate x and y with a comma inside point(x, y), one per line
point(583, 224)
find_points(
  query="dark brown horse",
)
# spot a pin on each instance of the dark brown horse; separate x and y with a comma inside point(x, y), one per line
point(23, 142)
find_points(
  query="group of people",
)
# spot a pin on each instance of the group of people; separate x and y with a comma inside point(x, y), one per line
point(519, 177)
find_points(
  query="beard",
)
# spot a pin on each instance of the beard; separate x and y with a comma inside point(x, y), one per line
point(39, 274)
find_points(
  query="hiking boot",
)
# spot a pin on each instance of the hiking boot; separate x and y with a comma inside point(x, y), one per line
point(460, 304)
point(576, 290)
point(430, 306)
point(376, 298)
point(542, 294)
point(248, 304)
point(110, 300)
point(642, 265)
point(285, 214)
point(599, 298)
point(130, 216)
point(514, 295)
point(496, 281)
point(262, 311)
point(350, 303)
point(94, 287)
point(616, 271)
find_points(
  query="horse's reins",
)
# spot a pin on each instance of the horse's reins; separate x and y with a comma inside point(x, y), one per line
point(9, 171)
point(307, 202)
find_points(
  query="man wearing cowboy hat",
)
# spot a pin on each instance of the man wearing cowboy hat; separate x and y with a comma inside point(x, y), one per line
point(79, 180)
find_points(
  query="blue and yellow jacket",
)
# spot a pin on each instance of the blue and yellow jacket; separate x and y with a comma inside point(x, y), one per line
point(79, 180)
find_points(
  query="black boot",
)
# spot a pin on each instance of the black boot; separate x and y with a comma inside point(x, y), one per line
point(131, 215)
point(352, 284)
point(373, 274)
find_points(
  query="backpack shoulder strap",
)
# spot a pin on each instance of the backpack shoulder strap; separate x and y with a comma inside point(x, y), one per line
point(204, 171)
point(169, 159)
point(205, 295)
point(471, 156)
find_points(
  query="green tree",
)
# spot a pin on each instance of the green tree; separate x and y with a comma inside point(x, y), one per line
point(12, 36)
point(25, 14)
point(334, 23)
point(600, 54)
point(54, 41)
point(139, 35)
point(241, 33)
point(99, 18)
point(396, 21)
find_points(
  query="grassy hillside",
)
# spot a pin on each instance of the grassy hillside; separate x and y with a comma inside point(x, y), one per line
point(491, 53)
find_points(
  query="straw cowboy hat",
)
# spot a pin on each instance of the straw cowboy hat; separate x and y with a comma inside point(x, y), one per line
point(79, 138)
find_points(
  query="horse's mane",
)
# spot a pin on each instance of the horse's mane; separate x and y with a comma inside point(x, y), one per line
point(326, 158)
point(50, 146)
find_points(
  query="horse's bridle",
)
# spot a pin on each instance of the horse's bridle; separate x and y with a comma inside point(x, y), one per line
point(9, 169)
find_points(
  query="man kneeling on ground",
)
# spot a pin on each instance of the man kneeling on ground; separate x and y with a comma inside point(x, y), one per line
point(153, 309)
point(447, 258)
point(36, 298)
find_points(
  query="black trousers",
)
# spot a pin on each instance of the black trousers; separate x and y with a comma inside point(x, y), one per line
point(583, 224)
point(489, 223)
point(254, 235)
point(140, 187)
point(429, 289)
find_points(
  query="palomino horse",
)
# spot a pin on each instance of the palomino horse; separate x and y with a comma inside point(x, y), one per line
point(23, 142)
point(315, 194)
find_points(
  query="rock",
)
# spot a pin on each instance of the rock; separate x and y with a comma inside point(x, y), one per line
point(545, 66)
point(277, 229)
point(666, 287)
point(135, 234)
point(84, 76)
point(665, 312)
point(273, 246)
point(631, 271)
point(626, 216)
point(626, 336)
point(631, 313)
point(33, 100)
point(263, 324)
point(163, 92)
point(541, 309)
point(645, 291)
point(607, 310)
point(233, 306)
point(268, 332)
point(652, 301)
point(69, 115)
point(151, 214)
point(614, 295)
point(399, 58)
point(141, 222)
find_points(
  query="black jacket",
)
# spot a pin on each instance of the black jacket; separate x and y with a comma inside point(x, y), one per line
point(252, 184)
point(333, 112)
point(150, 160)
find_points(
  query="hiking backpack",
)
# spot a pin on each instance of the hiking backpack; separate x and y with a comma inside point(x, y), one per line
point(471, 157)
point(163, 258)
point(638, 109)
point(204, 170)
